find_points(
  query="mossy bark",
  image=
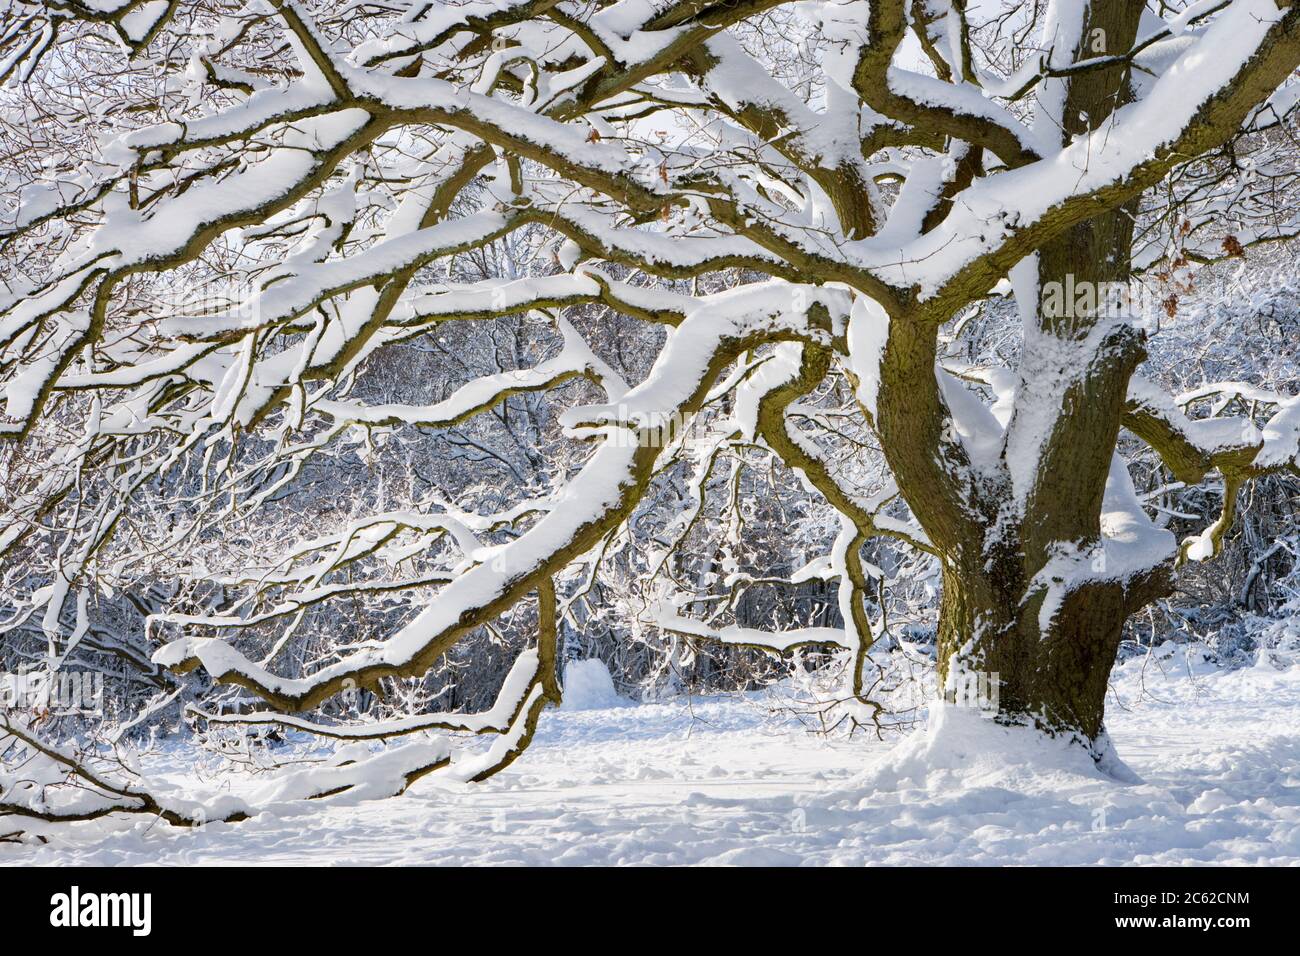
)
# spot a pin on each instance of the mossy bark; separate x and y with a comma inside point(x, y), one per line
point(1050, 674)
point(1052, 666)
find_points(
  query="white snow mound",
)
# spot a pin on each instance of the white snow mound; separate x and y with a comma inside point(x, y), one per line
point(962, 748)
point(588, 686)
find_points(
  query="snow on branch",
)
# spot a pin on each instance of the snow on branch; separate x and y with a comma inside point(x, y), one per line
point(797, 225)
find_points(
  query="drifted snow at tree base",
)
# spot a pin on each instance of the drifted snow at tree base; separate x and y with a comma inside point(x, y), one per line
point(363, 366)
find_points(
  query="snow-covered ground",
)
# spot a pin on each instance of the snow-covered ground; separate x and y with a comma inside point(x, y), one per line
point(725, 780)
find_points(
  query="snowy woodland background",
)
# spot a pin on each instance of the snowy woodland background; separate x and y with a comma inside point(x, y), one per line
point(154, 501)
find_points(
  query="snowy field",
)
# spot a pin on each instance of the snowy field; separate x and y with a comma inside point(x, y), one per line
point(727, 781)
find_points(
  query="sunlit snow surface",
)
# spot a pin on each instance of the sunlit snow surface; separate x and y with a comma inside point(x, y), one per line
point(725, 780)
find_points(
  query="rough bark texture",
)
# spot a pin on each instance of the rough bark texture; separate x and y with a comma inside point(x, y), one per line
point(1053, 673)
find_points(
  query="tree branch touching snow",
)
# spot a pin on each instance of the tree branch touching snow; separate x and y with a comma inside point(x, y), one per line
point(342, 341)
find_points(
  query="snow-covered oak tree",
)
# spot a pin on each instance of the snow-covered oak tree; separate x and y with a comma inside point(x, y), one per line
point(860, 173)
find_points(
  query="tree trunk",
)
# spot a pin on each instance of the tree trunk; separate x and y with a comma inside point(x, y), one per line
point(1038, 650)
point(1001, 650)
